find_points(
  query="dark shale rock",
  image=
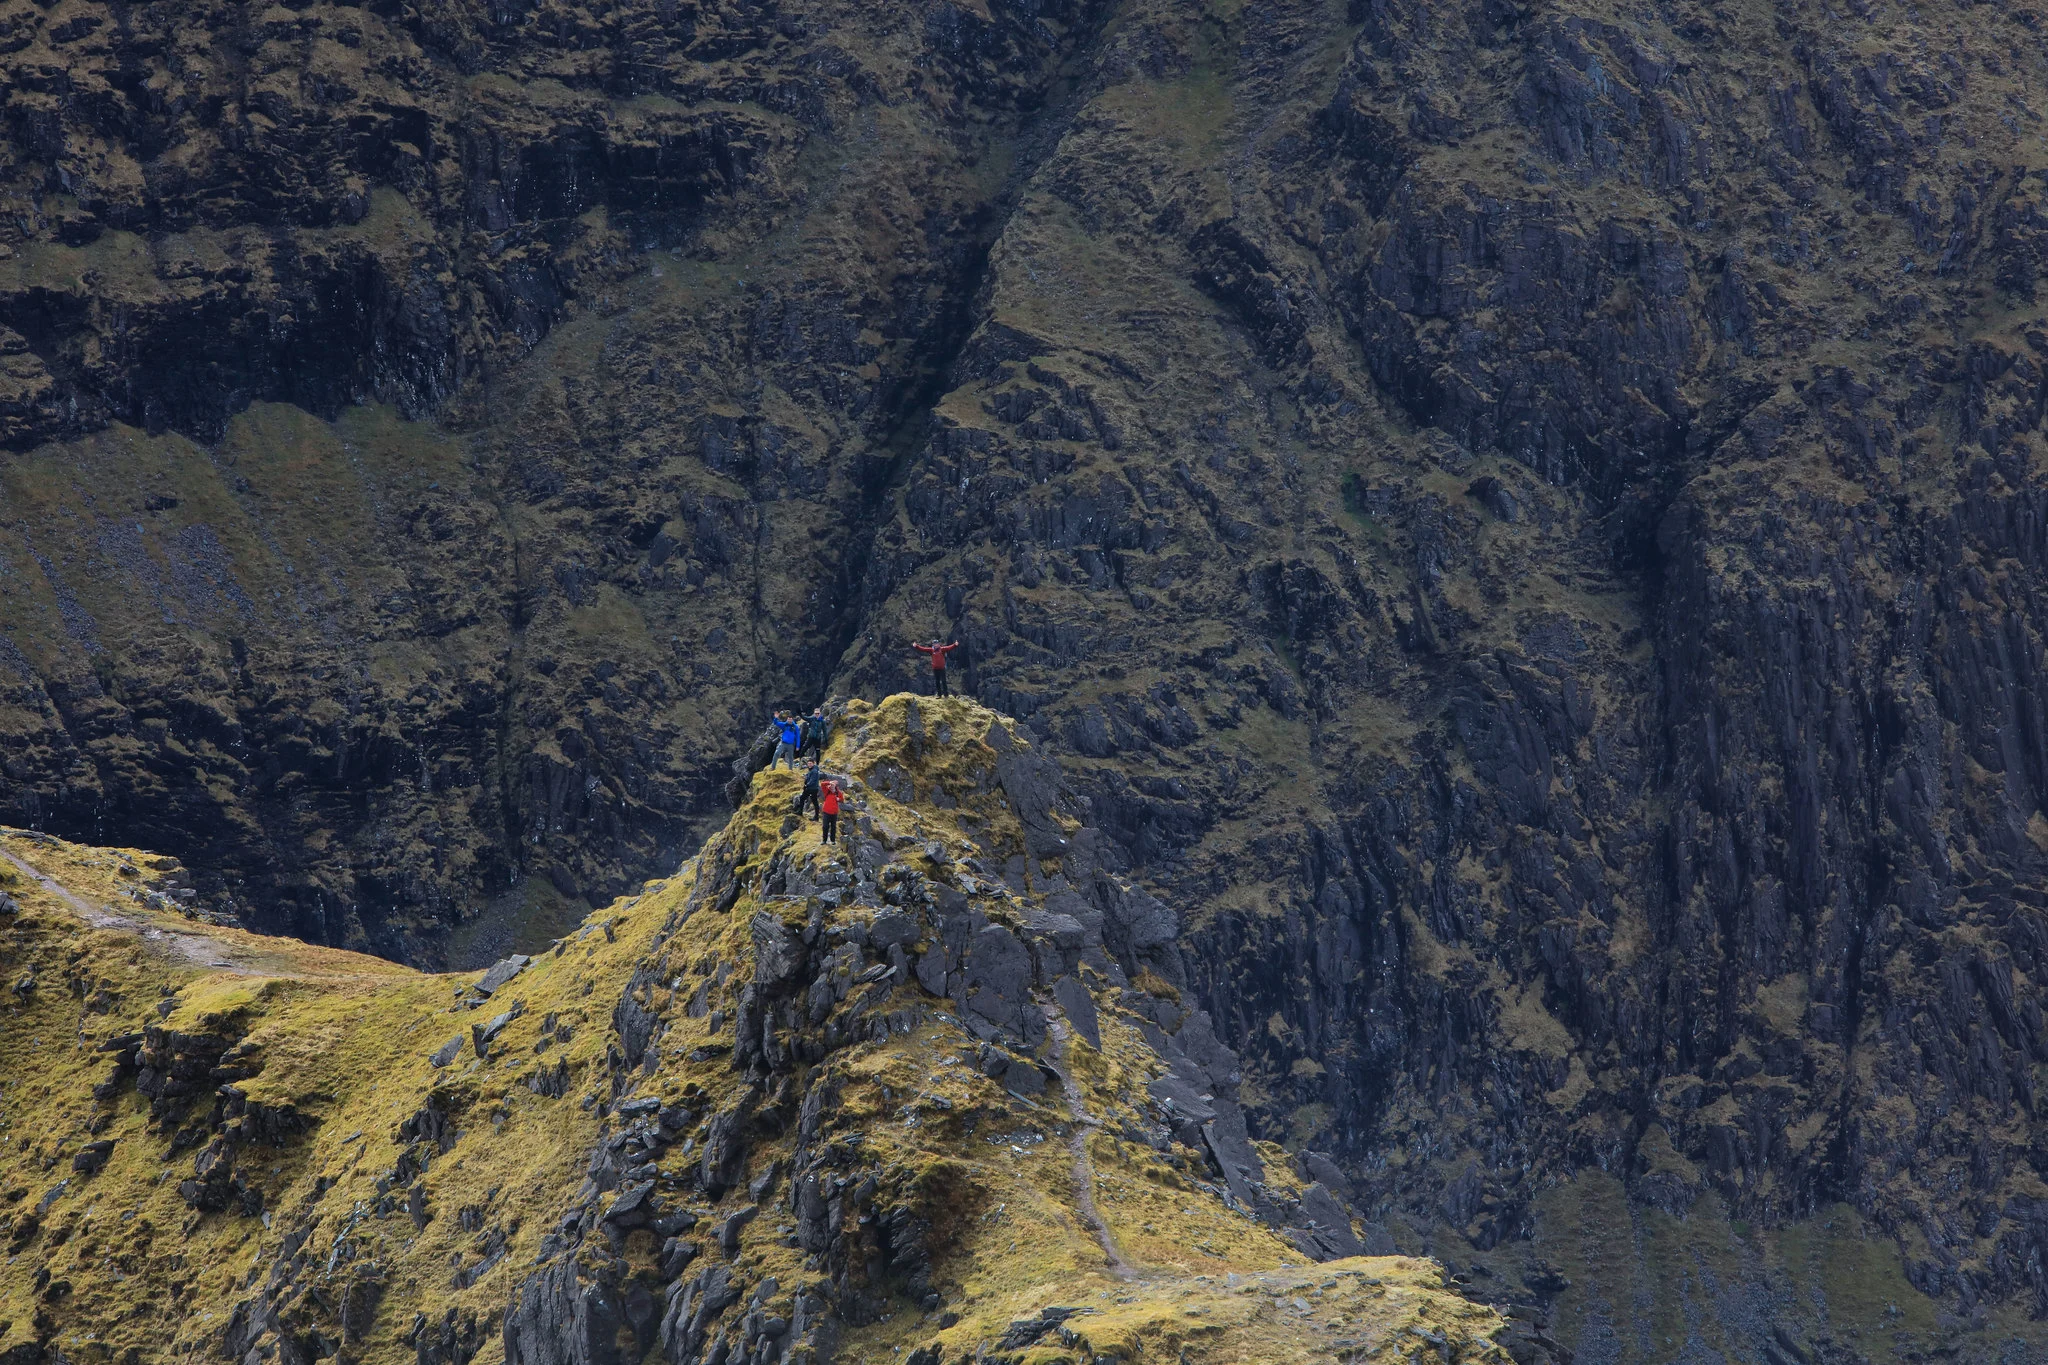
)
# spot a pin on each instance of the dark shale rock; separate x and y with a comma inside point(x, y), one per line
point(693, 1307)
point(729, 1229)
point(566, 1314)
point(91, 1157)
point(1079, 1007)
point(501, 973)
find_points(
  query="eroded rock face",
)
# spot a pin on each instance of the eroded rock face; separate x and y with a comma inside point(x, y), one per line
point(1522, 524)
point(1551, 627)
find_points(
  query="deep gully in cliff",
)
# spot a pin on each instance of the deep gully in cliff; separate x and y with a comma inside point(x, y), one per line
point(929, 375)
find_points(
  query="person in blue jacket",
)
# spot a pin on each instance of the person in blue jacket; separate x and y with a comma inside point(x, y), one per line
point(789, 734)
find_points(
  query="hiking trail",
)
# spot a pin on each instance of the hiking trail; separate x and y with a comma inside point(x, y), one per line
point(197, 949)
point(1077, 1142)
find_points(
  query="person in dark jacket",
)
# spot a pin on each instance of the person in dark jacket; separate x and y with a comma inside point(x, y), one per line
point(817, 734)
point(809, 795)
point(937, 653)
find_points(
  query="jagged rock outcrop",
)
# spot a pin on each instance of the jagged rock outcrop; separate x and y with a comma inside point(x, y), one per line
point(898, 933)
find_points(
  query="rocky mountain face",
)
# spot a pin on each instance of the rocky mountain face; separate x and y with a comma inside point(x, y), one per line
point(1522, 523)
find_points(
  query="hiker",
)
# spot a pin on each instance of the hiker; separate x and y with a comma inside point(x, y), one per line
point(828, 808)
point(809, 795)
point(789, 733)
point(817, 734)
point(937, 653)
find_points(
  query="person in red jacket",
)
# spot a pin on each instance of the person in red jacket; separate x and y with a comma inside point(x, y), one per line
point(937, 653)
point(828, 811)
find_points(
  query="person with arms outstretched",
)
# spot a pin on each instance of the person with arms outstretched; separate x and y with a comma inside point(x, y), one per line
point(937, 653)
point(789, 735)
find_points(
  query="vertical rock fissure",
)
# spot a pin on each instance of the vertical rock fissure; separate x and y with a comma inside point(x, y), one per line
point(930, 375)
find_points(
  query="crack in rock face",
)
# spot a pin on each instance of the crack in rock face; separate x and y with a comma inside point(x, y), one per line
point(1510, 539)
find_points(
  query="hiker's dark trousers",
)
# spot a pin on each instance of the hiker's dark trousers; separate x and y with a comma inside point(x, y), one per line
point(939, 683)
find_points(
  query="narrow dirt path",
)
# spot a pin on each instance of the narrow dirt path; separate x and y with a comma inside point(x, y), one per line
point(196, 949)
point(1077, 1142)
point(49, 884)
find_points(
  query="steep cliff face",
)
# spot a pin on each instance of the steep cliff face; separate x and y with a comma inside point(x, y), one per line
point(1521, 521)
point(1579, 667)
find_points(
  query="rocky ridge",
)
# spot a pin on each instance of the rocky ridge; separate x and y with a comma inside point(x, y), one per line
point(927, 1091)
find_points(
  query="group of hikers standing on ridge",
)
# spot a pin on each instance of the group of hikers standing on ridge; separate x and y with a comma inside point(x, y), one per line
point(798, 738)
point(807, 738)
